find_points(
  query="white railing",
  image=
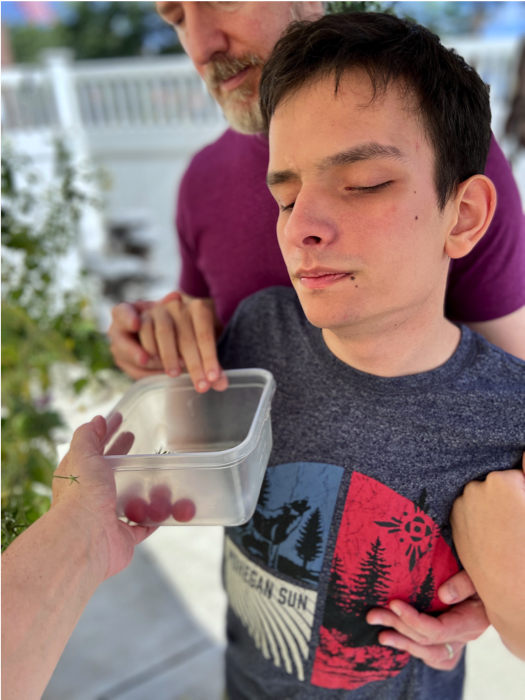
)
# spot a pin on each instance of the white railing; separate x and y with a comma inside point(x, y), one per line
point(131, 93)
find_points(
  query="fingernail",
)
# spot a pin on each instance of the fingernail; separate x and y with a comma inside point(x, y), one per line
point(202, 385)
point(395, 609)
point(388, 643)
point(449, 593)
point(174, 372)
point(375, 620)
point(212, 375)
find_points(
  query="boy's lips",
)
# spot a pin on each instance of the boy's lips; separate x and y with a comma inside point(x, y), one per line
point(319, 278)
point(235, 80)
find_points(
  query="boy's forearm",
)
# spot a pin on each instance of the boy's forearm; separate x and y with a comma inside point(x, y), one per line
point(48, 575)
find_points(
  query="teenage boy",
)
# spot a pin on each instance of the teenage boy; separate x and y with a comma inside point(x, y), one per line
point(384, 409)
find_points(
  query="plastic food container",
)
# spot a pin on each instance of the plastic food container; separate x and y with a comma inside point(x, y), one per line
point(183, 458)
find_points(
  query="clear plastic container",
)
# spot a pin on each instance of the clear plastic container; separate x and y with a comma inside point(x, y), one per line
point(181, 457)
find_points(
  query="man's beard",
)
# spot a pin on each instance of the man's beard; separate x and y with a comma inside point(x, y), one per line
point(241, 105)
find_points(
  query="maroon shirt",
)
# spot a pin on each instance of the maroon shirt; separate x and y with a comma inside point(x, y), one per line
point(226, 221)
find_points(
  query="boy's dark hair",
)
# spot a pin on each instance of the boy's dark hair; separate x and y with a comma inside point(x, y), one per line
point(451, 98)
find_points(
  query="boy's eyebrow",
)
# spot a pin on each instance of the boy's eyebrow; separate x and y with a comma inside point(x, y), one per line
point(363, 151)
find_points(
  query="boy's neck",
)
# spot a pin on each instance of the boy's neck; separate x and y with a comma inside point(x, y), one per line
point(396, 348)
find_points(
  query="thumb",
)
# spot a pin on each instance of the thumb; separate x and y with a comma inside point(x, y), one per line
point(456, 589)
point(88, 439)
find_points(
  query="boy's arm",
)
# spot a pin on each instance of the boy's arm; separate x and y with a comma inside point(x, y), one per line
point(50, 571)
point(488, 525)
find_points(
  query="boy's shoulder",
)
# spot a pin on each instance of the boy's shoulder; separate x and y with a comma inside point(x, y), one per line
point(264, 325)
point(493, 364)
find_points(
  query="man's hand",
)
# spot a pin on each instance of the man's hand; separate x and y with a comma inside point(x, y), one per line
point(89, 501)
point(488, 527)
point(125, 347)
point(438, 641)
point(184, 333)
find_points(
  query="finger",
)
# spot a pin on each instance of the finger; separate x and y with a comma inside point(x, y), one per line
point(138, 532)
point(122, 444)
point(436, 656)
point(100, 426)
point(86, 441)
point(113, 423)
point(126, 317)
point(172, 296)
point(126, 347)
point(456, 589)
point(387, 618)
point(166, 332)
point(189, 349)
point(204, 328)
point(135, 373)
point(147, 333)
point(221, 384)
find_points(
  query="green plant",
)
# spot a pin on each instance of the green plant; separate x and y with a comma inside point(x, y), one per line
point(41, 325)
point(334, 7)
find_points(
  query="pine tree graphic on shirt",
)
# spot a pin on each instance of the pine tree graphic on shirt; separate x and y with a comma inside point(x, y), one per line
point(310, 541)
point(387, 547)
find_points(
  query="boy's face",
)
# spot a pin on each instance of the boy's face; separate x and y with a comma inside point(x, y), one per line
point(359, 225)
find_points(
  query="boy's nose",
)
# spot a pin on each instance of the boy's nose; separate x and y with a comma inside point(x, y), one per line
point(308, 225)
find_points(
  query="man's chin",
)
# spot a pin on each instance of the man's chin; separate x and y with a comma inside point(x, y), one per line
point(244, 115)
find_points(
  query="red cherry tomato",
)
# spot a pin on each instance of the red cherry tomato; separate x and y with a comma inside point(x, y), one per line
point(160, 491)
point(136, 510)
point(184, 510)
point(159, 509)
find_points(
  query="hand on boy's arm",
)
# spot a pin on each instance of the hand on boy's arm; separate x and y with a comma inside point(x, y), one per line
point(488, 526)
point(50, 571)
point(183, 332)
point(128, 353)
point(438, 641)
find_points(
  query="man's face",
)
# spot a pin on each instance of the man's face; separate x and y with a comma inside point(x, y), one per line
point(359, 225)
point(229, 42)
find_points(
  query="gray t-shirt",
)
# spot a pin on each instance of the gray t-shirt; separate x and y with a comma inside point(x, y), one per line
point(354, 509)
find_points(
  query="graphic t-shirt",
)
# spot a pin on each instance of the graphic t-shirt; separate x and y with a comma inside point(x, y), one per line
point(354, 508)
point(226, 221)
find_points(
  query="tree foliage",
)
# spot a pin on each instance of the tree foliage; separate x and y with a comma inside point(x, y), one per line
point(99, 30)
point(41, 325)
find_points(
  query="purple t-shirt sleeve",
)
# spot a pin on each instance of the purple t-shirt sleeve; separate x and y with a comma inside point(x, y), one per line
point(490, 281)
point(191, 280)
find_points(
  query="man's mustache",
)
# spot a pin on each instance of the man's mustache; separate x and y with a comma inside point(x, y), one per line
point(225, 67)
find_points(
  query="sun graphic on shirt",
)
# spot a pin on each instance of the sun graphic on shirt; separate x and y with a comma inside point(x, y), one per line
point(417, 529)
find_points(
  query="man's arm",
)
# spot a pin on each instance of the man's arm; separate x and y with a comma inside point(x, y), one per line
point(50, 571)
point(488, 526)
point(507, 332)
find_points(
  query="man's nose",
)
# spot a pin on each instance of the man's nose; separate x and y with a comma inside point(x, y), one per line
point(309, 224)
point(202, 35)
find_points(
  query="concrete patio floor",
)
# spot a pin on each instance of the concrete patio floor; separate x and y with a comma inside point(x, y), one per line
point(156, 630)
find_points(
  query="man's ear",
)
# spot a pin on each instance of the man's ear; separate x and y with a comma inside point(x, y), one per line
point(474, 203)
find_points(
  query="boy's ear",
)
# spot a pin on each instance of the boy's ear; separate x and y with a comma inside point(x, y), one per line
point(474, 204)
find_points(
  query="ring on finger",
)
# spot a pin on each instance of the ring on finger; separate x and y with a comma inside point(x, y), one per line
point(450, 650)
